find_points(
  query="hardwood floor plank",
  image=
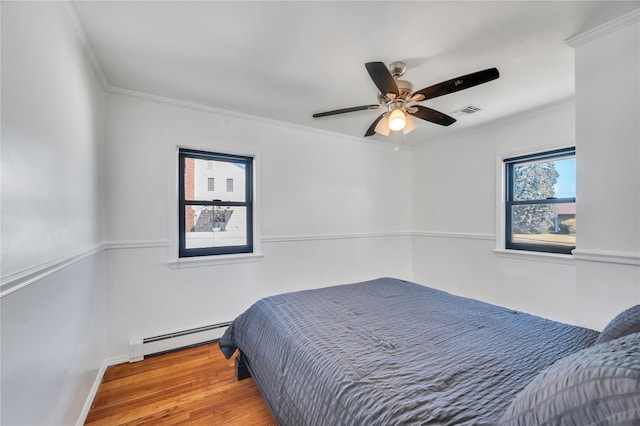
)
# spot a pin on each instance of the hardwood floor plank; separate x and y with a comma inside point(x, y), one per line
point(191, 386)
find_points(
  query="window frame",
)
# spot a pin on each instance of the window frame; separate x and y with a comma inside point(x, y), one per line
point(248, 162)
point(509, 202)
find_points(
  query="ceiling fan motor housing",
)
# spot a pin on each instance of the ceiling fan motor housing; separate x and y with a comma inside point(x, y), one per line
point(405, 88)
point(398, 97)
point(395, 105)
point(397, 69)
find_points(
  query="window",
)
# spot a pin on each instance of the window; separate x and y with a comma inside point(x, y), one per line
point(214, 222)
point(229, 185)
point(541, 202)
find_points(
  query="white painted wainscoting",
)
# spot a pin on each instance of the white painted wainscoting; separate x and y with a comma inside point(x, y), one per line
point(53, 340)
point(148, 296)
point(542, 284)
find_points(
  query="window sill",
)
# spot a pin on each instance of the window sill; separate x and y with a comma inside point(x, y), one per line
point(564, 259)
point(202, 261)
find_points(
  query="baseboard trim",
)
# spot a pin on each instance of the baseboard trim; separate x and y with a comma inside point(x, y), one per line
point(140, 348)
point(108, 362)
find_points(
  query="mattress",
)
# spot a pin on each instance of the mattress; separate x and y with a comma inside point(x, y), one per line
point(387, 351)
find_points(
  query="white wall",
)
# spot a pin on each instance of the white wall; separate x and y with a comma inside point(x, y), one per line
point(331, 210)
point(457, 191)
point(608, 168)
point(53, 277)
point(455, 212)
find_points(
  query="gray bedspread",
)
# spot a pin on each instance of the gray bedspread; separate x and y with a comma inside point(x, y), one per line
point(387, 352)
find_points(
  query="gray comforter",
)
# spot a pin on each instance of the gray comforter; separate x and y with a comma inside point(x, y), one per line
point(387, 352)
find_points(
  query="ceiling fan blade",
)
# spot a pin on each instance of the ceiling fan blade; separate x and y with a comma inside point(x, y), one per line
point(372, 129)
point(433, 116)
point(382, 78)
point(456, 84)
point(343, 110)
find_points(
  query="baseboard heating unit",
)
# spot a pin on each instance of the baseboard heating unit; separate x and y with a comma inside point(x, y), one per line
point(141, 347)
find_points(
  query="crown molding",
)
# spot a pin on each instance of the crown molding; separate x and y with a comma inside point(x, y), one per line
point(604, 29)
point(86, 45)
point(98, 68)
point(515, 117)
point(249, 117)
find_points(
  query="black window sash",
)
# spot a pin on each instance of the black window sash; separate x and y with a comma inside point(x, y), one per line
point(510, 164)
point(183, 154)
point(547, 155)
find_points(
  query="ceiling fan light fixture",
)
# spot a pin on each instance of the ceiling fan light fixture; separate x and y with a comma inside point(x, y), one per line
point(410, 126)
point(397, 96)
point(382, 127)
point(397, 120)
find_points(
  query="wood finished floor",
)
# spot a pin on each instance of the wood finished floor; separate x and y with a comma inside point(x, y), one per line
point(195, 386)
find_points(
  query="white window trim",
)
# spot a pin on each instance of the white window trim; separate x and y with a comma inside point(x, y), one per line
point(222, 259)
point(500, 249)
point(176, 262)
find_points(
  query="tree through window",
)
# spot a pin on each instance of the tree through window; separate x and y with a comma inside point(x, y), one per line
point(540, 202)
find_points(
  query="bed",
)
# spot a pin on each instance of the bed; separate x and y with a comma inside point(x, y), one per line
point(388, 351)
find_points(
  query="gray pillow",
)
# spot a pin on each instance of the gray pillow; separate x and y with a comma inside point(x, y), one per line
point(599, 385)
point(624, 323)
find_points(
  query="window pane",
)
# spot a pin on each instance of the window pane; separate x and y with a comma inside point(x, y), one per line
point(565, 186)
point(540, 180)
point(213, 226)
point(553, 224)
point(200, 175)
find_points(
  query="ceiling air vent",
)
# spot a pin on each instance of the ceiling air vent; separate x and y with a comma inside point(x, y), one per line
point(469, 109)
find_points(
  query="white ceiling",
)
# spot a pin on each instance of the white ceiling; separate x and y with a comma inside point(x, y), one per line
point(288, 60)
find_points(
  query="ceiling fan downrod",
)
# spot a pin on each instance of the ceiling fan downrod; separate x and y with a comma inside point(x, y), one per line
point(396, 95)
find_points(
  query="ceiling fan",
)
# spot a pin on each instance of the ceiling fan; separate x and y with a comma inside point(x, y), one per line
point(397, 96)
